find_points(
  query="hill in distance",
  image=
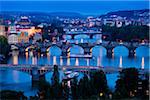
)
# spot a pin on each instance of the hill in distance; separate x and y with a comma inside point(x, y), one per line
point(129, 13)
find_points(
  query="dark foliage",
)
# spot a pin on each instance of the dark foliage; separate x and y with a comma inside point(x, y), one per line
point(132, 84)
point(4, 46)
point(99, 83)
point(12, 95)
point(127, 33)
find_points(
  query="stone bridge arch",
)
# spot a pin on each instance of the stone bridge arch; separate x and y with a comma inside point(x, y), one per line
point(67, 36)
point(120, 52)
point(83, 36)
point(21, 47)
point(29, 47)
point(98, 35)
point(55, 47)
point(74, 47)
point(145, 48)
point(103, 48)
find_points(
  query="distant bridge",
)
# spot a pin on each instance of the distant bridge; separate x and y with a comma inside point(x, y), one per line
point(89, 34)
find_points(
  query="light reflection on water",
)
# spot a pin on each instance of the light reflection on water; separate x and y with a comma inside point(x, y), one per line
point(142, 64)
point(120, 62)
point(61, 61)
point(20, 81)
point(68, 62)
point(77, 62)
point(15, 59)
point(119, 59)
point(54, 60)
point(88, 62)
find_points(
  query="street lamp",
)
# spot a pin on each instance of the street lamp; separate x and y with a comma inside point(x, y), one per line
point(101, 94)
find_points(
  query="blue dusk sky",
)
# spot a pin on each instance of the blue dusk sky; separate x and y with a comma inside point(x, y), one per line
point(80, 6)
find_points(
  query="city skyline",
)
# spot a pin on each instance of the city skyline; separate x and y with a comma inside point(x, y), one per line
point(76, 50)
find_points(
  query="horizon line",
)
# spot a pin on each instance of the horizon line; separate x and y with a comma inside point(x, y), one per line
point(27, 11)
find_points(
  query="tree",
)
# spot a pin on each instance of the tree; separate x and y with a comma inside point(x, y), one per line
point(143, 88)
point(12, 95)
point(74, 88)
point(99, 83)
point(4, 46)
point(127, 84)
point(51, 91)
point(66, 90)
point(45, 90)
point(47, 30)
point(120, 92)
point(84, 88)
point(127, 33)
point(55, 77)
point(56, 86)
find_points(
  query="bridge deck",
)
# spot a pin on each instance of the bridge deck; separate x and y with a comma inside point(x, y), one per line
point(75, 68)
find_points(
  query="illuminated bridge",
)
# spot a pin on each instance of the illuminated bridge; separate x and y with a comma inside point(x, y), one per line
point(87, 47)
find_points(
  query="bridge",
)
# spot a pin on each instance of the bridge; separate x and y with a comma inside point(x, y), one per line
point(38, 72)
point(89, 34)
point(87, 47)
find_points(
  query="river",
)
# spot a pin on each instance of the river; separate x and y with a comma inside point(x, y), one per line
point(16, 80)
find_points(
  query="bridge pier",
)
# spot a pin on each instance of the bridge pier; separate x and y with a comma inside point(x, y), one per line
point(72, 36)
point(22, 50)
point(109, 52)
point(64, 52)
point(87, 51)
point(36, 77)
point(42, 50)
point(91, 36)
point(131, 52)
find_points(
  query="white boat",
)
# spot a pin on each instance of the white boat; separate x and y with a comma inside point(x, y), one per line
point(68, 72)
point(72, 75)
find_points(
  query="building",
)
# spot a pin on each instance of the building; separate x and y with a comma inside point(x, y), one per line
point(12, 35)
point(23, 37)
point(2, 30)
point(13, 38)
point(24, 21)
point(119, 23)
point(11, 29)
point(109, 22)
point(30, 30)
point(25, 25)
point(91, 21)
point(37, 37)
point(127, 22)
point(98, 23)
